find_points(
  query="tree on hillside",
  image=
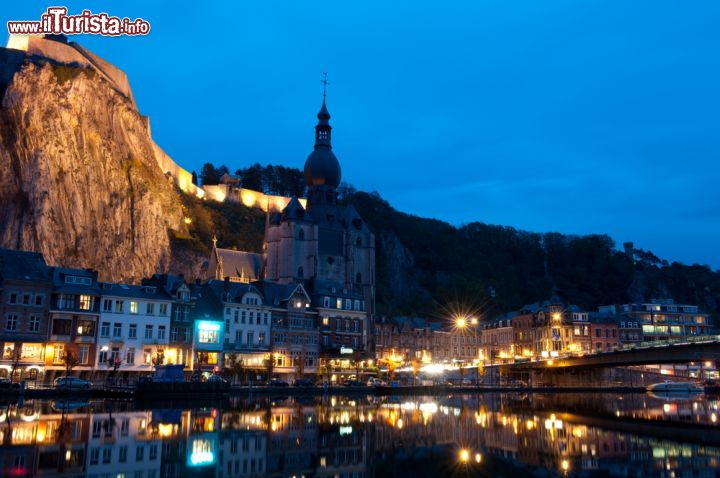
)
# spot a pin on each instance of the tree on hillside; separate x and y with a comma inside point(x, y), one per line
point(208, 174)
point(221, 170)
point(194, 178)
point(252, 178)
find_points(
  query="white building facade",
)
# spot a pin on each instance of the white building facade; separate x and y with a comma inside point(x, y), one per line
point(134, 329)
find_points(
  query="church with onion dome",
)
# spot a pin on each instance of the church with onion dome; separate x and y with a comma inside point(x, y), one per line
point(326, 246)
point(321, 255)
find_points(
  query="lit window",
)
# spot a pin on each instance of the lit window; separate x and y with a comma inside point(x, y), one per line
point(86, 302)
point(133, 307)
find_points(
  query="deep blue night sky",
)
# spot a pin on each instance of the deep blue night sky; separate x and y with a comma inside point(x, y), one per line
point(577, 117)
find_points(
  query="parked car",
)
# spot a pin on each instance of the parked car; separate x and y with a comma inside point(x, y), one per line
point(276, 382)
point(68, 383)
point(376, 382)
point(216, 379)
point(353, 383)
point(303, 382)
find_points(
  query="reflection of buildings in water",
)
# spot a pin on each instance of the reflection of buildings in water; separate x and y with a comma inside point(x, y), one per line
point(123, 441)
point(344, 444)
point(243, 444)
point(696, 410)
point(335, 437)
point(293, 440)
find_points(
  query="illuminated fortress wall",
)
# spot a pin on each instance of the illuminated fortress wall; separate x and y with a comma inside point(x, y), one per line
point(72, 53)
point(248, 197)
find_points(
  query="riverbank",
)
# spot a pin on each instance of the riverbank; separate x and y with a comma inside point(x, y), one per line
point(128, 393)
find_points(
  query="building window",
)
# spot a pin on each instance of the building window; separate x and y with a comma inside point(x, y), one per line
point(338, 303)
point(161, 332)
point(149, 308)
point(173, 334)
point(132, 331)
point(105, 329)
point(148, 331)
point(163, 309)
point(84, 354)
point(300, 272)
point(67, 301)
point(119, 306)
point(102, 357)
point(250, 338)
point(86, 302)
point(301, 234)
point(107, 305)
point(133, 307)
point(261, 338)
point(130, 356)
point(326, 302)
point(58, 353)
point(34, 324)
point(117, 329)
point(12, 298)
point(326, 320)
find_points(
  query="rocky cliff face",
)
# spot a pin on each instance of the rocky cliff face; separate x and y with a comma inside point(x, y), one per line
point(79, 181)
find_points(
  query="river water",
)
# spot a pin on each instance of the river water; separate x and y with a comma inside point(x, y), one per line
point(507, 435)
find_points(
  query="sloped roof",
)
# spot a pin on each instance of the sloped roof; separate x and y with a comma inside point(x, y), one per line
point(275, 294)
point(134, 291)
point(23, 265)
point(293, 210)
point(239, 263)
point(236, 289)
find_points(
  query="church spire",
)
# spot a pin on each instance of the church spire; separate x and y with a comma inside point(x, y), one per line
point(323, 128)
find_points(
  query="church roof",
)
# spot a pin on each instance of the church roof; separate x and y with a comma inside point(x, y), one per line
point(293, 210)
point(238, 264)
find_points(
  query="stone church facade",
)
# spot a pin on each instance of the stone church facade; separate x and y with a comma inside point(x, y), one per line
point(326, 247)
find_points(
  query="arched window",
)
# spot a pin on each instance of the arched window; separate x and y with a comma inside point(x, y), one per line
point(358, 278)
point(301, 234)
point(300, 272)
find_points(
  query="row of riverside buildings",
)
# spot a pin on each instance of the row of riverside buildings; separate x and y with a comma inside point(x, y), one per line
point(57, 319)
point(538, 331)
point(55, 316)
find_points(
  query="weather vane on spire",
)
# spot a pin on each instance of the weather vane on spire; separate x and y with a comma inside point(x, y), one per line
point(325, 83)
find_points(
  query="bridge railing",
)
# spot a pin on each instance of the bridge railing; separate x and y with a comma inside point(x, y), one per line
point(665, 343)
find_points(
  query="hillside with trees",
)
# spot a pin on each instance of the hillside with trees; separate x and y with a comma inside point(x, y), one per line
point(425, 264)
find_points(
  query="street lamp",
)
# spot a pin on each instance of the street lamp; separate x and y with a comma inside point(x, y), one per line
point(460, 322)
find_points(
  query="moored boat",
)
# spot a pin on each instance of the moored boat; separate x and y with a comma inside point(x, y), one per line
point(674, 387)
